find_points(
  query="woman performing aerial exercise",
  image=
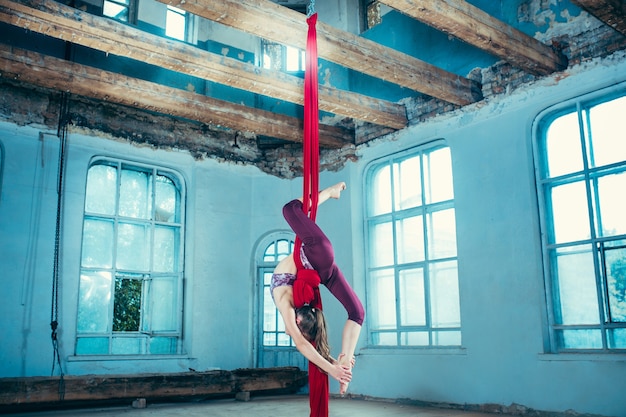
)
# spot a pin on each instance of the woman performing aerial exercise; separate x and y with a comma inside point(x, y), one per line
point(306, 324)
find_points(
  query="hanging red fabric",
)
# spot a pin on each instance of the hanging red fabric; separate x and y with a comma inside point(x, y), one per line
point(310, 142)
point(318, 380)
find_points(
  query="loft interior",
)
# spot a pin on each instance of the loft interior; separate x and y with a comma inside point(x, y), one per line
point(147, 148)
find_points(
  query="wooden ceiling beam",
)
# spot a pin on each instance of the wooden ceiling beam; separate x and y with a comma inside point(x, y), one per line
point(472, 25)
point(277, 23)
point(59, 74)
point(611, 12)
point(69, 24)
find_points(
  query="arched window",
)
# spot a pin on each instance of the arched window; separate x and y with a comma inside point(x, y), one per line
point(412, 279)
point(131, 275)
point(273, 327)
point(275, 347)
point(581, 180)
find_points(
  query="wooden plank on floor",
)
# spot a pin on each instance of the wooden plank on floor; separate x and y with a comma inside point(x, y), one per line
point(72, 389)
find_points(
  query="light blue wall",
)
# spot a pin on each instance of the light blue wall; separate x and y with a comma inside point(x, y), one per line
point(229, 210)
point(502, 359)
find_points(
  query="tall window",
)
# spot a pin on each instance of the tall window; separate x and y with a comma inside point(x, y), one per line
point(273, 325)
point(130, 294)
point(582, 183)
point(413, 291)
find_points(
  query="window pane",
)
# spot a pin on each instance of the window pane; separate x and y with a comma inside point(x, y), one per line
point(570, 214)
point(270, 253)
point(272, 55)
point(444, 294)
point(616, 283)
point(163, 345)
point(165, 249)
point(127, 304)
point(94, 294)
point(270, 313)
point(283, 340)
point(128, 346)
point(381, 245)
point(575, 286)
point(283, 248)
point(412, 298)
point(97, 244)
point(384, 339)
point(381, 192)
point(441, 226)
point(92, 346)
point(616, 338)
point(612, 191)
point(384, 304)
point(293, 60)
point(133, 242)
point(563, 146)
point(115, 11)
point(447, 338)
point(414, 339)
point(167, 199)
point(269, 339)
point(101, 190)
point(607, 141)
point(410, 239)
point(407, 185)
point(579, 339)
point(175, 23)
point(135, 194)
point(438, 176)
point(163, 298)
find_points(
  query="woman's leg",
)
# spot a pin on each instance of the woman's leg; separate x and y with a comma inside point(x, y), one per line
point(339, 287)
point(317, 247)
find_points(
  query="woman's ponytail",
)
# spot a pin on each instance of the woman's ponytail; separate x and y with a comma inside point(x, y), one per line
point(313, 326)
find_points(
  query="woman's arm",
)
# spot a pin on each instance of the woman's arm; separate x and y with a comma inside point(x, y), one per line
point(288, 313)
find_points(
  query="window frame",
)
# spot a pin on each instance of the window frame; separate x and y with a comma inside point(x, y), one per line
point(596, 243)
point(267, 267)
point(131, 7)
point(285, 53)
point(398, 267)
point(117, 273)
point(181, 13)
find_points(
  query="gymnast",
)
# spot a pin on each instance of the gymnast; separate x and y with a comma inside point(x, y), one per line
point(305, 324)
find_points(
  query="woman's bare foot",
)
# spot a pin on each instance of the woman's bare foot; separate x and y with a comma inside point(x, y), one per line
point(335, 190)
point(344, 361)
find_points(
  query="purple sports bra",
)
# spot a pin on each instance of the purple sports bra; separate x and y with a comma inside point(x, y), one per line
point(287, 278)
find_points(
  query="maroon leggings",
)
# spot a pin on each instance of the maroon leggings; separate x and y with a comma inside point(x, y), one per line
point(320, 254)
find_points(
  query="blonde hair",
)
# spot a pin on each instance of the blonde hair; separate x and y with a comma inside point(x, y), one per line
point(313, 327)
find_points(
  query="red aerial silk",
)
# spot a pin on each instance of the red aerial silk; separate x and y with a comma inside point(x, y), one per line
point(306, 286)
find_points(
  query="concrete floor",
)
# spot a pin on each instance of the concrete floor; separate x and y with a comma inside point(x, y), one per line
point(276, 406)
